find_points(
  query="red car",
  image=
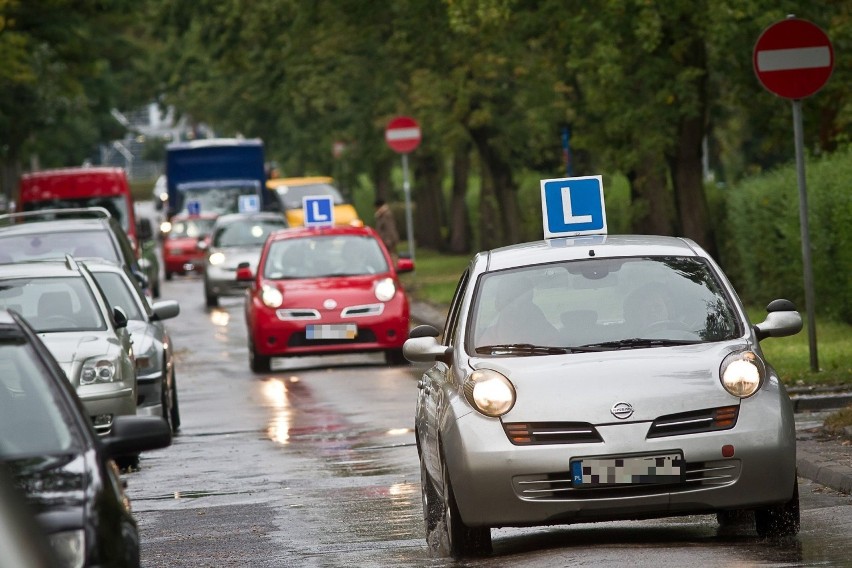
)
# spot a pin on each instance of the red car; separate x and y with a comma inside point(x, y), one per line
point(181, 251)
point(323, 291)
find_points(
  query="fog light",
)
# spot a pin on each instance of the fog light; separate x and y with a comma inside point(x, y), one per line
point(102, 420)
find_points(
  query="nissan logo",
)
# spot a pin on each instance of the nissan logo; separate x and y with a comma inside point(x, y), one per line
point(329, 304)
point(622, 410)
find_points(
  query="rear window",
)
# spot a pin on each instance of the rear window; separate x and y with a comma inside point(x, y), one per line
point(55, 245)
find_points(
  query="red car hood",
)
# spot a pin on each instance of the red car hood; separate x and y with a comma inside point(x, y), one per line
point(345, 290)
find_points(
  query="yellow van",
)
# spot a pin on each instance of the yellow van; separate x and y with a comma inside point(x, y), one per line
point(290, 192)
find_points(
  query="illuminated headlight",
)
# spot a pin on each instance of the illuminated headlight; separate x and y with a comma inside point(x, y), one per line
point(97, 371)
point(385, 289)
point(489, 392)
point(165, 227)
point(68, 547)
point(271, 296)
point(216, 258)
point(742, 373)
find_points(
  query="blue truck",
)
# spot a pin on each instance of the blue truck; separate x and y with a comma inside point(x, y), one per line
point(217, 175)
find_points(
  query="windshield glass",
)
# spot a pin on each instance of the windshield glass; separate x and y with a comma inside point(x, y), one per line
point(314, 257)
point(191, 228)
point(55, 245)
point(118, 293)
point(117, 206)
point(31, 419)
point(246, 233)
point(53, 304)
point(590, 302)
point(219, 200)
point(291, 195)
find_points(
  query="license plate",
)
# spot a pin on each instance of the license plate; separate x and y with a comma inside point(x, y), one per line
point(633, 470)
point(332, 331)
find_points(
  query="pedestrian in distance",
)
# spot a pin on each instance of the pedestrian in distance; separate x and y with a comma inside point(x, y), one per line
point(386, 227)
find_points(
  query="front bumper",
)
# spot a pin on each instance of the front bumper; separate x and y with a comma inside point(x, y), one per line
point(149, 395)
point(220, 281)
point(117, 399)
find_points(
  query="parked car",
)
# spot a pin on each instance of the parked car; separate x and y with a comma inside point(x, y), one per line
point(88, 337)
point(235, 239)
point(153, 348)
point(291, 192)
point(596, 379)
point(184, 243)
point(51, 234)
point(63, 468)
point(323, 291)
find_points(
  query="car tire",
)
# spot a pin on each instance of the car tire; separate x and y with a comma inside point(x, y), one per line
point(175, 407)
point(166, 401)
point(461, 539)
point(168, 275)
point(432, 507)
point(155, 289)
point(779, 520)
point(211, 300)
point(395, 357)
point(258, 363)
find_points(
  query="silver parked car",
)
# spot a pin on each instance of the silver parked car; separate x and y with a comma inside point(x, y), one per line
point(87, 336)
point(155, 368)
point(594, 379)
point(236, 239)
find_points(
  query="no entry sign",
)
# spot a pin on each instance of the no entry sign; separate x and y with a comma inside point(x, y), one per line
point(793, 58)
point(403, 134)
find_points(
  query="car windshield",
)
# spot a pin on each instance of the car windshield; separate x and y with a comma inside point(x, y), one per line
point(117, 206)
point(31, 419)
point(191, 228)
point(291, 195)
point(118, 293)
point(601, 304)
point(53, 304)
point(55, 245)
point(246, 232)
point(315, 257)
point(219, 200)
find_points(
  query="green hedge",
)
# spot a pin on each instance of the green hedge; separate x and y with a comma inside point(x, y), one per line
point(762, 237)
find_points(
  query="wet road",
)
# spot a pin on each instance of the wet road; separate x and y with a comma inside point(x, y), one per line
point(314, 464)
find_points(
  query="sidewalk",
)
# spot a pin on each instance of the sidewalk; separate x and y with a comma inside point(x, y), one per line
point(820, 457)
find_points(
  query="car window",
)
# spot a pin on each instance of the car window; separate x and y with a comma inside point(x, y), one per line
point(117, 206)
point(53, 304)
point(32, 420)
point(56, 244)
point(451, 325)
point(118, 293)
point(219, 200)
point(246, 233)
point(315, 257)
point(603, 300)
point(291, 195)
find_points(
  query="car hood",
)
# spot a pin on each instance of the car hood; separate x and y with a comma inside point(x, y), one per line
point(345, 290)
point(70, 346)
point(584, 387)
point(188, 243)
point(56, 488)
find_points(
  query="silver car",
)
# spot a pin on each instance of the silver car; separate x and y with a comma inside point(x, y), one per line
point(600, 378)
point(155, 369)
point(87, 336)
point(236, 239)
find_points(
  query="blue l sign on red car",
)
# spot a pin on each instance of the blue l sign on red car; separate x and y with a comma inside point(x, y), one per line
point(573, 206)
point(319, 211)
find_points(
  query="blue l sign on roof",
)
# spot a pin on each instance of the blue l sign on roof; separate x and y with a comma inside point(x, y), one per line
point(319, 211)
point(573, 206)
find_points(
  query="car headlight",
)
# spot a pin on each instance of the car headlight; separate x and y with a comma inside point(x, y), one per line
point(489, 392)
point(742, 373)
point(271, 296)
point(216, 258)
point(97, 370)
point(165, 227)
point(68, 548)
point(385, 289)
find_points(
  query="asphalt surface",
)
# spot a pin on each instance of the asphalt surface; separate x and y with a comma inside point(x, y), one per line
point(821, 456)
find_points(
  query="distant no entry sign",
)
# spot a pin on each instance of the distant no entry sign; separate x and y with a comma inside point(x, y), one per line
point(403, 134)
point(793, 58)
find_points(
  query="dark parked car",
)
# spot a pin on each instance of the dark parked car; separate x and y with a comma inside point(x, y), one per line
point(65, 470)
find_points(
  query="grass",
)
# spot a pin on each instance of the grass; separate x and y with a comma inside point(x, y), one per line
point(436, 276)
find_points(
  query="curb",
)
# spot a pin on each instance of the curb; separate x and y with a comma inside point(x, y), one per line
point(824, 471)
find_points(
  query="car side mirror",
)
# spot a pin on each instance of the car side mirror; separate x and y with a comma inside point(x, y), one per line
point(135, 434)
point(422, 346)
point(244, 273)
point(119, 317)
point(404, 265)
point(165, 309)
point(782, 320)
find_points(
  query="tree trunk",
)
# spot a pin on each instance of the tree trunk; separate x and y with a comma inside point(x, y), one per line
point(459, 225)
point(429, 214)
point(499, 214)
point(651, 207)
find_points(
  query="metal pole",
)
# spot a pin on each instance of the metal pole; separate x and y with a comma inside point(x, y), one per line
point(806, 241)
point(409, 224)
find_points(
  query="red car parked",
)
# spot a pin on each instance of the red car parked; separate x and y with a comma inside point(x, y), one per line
point(323, 291)
point(181, 251)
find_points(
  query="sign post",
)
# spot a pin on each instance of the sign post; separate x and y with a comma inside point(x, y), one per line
point(403, 136)
point(793, 59)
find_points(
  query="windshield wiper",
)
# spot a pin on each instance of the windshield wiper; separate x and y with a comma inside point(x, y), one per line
point(636, 342)
point(522, 349)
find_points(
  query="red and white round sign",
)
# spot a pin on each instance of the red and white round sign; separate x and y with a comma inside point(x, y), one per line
point(403, 134)
point(793, 58)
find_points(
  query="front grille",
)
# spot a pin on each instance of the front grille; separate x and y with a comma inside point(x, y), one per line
point(360, 311)
point(299, 339)
point(532, 433)
point(297, 314)
point(557, 486)
point(694, 422)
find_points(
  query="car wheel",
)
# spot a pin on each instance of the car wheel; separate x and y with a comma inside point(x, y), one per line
point(212, 300)
point(432, 506)
point(166, 401)
point(779, 520)
point(155, 289)
point(168, 275)
point(127, 463)
point(175, 407)
point(258, 363)
point(461, 539)
point(395, 357)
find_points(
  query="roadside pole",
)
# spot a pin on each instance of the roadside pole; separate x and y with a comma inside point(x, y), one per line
point(409, 223)
point(403, 136)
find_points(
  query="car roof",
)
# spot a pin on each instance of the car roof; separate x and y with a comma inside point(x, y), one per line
point(260, 216)
point(597, 246)
point(290, 181)
point(300, 232)
point(40, 269)
point(57, 225)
